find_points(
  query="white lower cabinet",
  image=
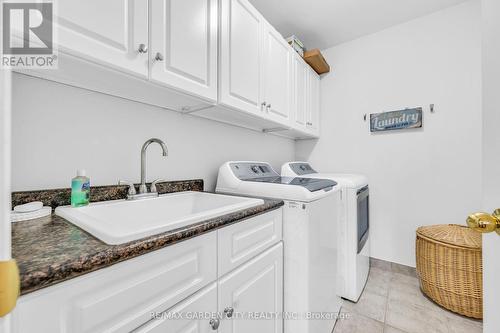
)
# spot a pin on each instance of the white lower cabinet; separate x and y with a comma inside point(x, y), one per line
point(248, 298)
point(243, 241)
point(122, 297)
point(251, 296)
point(197, 314)
point(175, 289)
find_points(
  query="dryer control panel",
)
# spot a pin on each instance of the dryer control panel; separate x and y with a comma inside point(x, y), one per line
point(302, 168)
point(251, 170)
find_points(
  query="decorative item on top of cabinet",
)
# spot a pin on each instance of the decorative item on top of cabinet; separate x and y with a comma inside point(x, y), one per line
point(296, 45)
point(315, 59)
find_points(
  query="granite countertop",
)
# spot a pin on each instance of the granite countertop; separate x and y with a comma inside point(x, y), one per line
point(50, 250)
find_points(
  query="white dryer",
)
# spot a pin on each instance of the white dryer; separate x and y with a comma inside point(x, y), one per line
point(311, 301)
point(354, 227)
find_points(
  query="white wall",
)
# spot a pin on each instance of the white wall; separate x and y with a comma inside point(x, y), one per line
point(417, 177)
point(491, 159)
point(491, 103)
point(58, 129)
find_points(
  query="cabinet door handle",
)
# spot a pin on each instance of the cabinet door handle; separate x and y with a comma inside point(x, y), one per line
point(262, 106)
point(214, 323)
point(309, 124)
point(229, 312)
point(143, 48)
point(158, 56)
point(268, 107)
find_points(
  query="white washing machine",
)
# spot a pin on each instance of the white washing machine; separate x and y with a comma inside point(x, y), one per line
point(309, 224)
point(354, 227)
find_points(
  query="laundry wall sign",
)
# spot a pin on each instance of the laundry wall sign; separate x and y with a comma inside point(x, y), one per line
point(396, 120)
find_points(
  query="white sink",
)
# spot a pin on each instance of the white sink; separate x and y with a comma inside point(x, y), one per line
point(121, 221)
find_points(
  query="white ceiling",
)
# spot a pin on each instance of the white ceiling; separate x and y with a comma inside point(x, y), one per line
point(324, 23)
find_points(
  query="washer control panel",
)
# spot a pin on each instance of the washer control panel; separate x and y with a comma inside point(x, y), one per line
point(251, 170)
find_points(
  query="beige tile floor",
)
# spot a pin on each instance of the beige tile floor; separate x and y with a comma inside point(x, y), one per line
point(393, 303)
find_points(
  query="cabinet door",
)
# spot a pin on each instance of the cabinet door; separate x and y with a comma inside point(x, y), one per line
point(301, 77)
point(276, 77)
point(184, 45)
point(181, 318)
point(240, 56)
point(242, 241)
point(255, 287)
point(313, 110)
point(107, 32)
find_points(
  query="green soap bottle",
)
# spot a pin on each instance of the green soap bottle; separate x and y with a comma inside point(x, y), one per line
point(80, 189)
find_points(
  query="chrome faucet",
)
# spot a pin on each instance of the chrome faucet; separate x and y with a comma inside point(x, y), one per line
point(142, 187)
point(143, 190)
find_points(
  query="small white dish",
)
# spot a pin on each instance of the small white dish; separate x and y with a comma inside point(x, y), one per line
point(17, 216)
point(29, 207)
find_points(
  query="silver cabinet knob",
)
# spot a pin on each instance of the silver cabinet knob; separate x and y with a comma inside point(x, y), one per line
point(229, 312)
point(143, 48)
point(158, 56)
point(214, 323)
point(309, 124)
point(262, 105)
point(268, 107)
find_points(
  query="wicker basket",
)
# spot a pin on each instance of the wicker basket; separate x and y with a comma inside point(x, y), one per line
point(449, 266)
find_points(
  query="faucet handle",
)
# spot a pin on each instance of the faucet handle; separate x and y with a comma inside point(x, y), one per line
point(153, 185)
point(131, 187)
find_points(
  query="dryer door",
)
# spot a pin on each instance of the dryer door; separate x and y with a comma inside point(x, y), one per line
point(363, 216)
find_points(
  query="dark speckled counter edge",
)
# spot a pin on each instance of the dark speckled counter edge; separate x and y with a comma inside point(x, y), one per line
point(44, 270)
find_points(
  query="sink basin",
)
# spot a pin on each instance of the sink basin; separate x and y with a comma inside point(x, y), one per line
point(121, 221)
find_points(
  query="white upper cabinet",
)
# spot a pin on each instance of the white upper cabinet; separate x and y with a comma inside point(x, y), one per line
point(306, 99)
point(240, 56)
point(313, 110)
point(218, 59)
point(255, 64)
point(300, 85)
point(184, 45)
point(277, 78)
point(107, 32)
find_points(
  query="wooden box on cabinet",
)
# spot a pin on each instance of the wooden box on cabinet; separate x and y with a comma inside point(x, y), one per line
point(315, 59)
